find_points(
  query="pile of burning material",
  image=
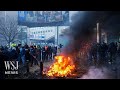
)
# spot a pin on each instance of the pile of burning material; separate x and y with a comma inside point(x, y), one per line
point(63, 67)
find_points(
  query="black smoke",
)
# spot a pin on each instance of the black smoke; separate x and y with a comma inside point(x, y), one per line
point(82, 30)
point(83, 24)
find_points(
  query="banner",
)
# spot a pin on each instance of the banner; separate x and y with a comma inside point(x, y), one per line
point(52, 18)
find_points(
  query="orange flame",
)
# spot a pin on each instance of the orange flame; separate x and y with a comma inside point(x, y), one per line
point(62, 67)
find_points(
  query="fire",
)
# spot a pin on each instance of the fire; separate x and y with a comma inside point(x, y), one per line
point(62, 67)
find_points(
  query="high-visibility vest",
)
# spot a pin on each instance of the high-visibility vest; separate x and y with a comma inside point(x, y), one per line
point(13, 45)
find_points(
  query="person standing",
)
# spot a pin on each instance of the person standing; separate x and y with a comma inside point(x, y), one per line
point(118, 49)
point(13, 54)
point(2, 65)
point(43, 53)
point(31, 55)
point(54, 51)
point(22, 54)
point(50, 52)
point(46, 53)
point(104, 52)
point(38, 53)
point(94, 54)
point(112, 49)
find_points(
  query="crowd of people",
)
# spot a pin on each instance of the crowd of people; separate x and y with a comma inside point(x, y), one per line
point(35, 53)
point(27, 55)
point(99, 53)
point(32, 53)
point(104, 53)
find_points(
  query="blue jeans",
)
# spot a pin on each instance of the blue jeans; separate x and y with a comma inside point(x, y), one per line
point(19, 58)
point(23, 59)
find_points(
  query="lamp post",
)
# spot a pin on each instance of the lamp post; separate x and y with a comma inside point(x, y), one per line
point(5, 16)
point(41, 63)
point(57, 35)
point(98, 33)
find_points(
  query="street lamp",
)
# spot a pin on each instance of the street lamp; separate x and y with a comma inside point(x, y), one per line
point(98, 33)
point(5, 16)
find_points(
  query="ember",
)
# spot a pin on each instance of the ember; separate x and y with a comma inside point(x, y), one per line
point(62, 67)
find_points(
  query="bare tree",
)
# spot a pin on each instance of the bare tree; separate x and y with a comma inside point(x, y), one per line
point(8, 29)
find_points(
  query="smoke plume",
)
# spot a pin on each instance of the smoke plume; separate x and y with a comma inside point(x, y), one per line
point(82, 28)
point(81, 31)
point(81, 34)
point(97, 73)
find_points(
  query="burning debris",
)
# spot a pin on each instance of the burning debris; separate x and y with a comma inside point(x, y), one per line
point(66, 67)
point(62, 67)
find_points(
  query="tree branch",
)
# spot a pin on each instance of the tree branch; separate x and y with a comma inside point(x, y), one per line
point(9, 29)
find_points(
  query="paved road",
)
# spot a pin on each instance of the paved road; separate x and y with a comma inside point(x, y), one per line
point(114, 70)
